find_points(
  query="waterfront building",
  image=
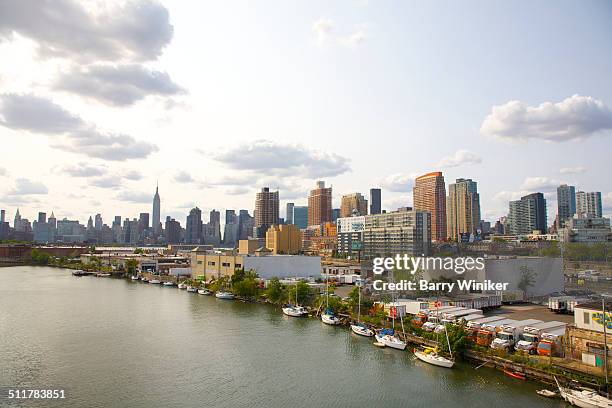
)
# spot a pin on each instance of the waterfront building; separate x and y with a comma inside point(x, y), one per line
point(350, 235)
point(527, 215)
point(248, 246)
point(300, 216)
point(429, 194)
point(586, 229)
point(289, 213)
point(320, 204)
point(462, 209)
point(405, 231)
point(266, 211)
point(284, 239)
point(193, 228)
point(156, 226)
point(353, 204)
point(566, 204)
point(589, 204)
point(375, 201)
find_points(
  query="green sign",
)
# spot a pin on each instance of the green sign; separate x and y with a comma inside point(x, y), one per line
point(356, 245)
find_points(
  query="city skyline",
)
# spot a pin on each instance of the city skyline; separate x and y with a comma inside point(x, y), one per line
point(104, 124)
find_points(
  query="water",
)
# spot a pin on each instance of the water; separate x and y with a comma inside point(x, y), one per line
point(117, 343)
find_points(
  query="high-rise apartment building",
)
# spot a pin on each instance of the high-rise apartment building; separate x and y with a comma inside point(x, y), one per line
point(589, 204)
point(353, 204)
point(375, 201)
point(289, 215)
point(284, 239)
point(462, 209)
point(429, 194)
point(156, 225)
point(245, 225)
point(320, 204)
point(266, 211)
point(527, 215)
point(300, 216)
point(566, 203)
point(193, 228)
point(172, 231)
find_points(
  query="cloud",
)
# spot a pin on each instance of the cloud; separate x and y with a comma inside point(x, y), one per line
point(606, 201)
point(540, 184)
point(237, 190)
point(83, 170)
point(459, 158)
point(25, 186)
point(322, 30)
point(117, 85)
point(506, 196)
point(398, 182)
point(356, 38)
point(135, 197)
point(394, 203)
point(183, 177)
point(106, 182)
point(576, 117)
point(135, 31)
point(284, 159)
point(40, 115)
point(3, 172)
point(133, 175)
point(240, 179)
point(572, 170)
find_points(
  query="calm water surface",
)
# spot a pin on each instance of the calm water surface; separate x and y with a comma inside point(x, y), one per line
point(117, 343)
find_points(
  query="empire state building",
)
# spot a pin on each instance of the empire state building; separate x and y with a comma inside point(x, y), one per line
point(156, 217)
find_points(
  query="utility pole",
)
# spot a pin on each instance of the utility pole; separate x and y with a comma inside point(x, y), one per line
point(604, 322)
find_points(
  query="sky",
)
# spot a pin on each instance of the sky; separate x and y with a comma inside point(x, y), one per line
point(213, 100)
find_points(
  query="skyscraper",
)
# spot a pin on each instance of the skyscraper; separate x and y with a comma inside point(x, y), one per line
point(289, 215)
point(462, 208)
point(429, 194)
point(98, 222)
point(353, 204)
point(230, 231)
point(527, 215)
point(156, 212)
point(589, 204)
point(266, 211)
point(375, 201)
point(193, 229)
point(320, 205)
point(300, 216)
point(172, 231)
point(566, 203)
point(245, 224)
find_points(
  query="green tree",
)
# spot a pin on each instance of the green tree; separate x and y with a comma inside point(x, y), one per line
point(303, 293)
point(131, 265)
point(527, 279)
point(39, 258)
point(248, 288)
point(275, 292)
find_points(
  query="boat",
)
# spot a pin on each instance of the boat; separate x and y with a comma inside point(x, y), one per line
point(155, 281)
point(328, 317)
point(514, 374)
point(583, 398)
point(430, 355)
point(134, 278)
point(294, 311)
point(388, 338)
point(192, 289)
point(144, 279)
point(224, 295)
point(547, 393)
point(378, 344)
point(78, 272)
point(103, 275)
point(204, 292)
point(182, 286)
point(360, 328)
point(168, 283)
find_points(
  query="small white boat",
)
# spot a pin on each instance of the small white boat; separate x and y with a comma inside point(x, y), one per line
point(547, 393)
point(192, 289)
point(430, 355)
point(204, 292)
point(144, 279)
point(390, 340)
point(224, 295)
point(584, 398)
point(103, 275)
point(134, 278)
point(155, 281)
point(182, 286)
point(362, 330)
point(168, 283)
point(294, 311)
point(329, 318)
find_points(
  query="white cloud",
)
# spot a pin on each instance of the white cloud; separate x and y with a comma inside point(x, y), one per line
point(106, 182)
point(459, 158)
point(576, 117)
point(25, 186)
point(135, 197)
point(506, 195)
point(237, 190)
point(573, 170)
point(3, 172)
point(84, 170)
point(133, 175)
point(322, 30)
point(356, 38)
point(398, 182)
point(183, 177)
point(539, 184)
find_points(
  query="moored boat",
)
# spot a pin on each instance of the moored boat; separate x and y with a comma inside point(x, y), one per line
point(224, 295)
point(362, 330)
point(103, 275)
point(584, 398)
point(134, 278)
point(78, 272)
point(155, 281)
point(430, 355)
point(294, 311)
point(182, 285)
point(330, 318)
point(168, 283)
point(204, 292)
point(388, 338)
point(192, 289)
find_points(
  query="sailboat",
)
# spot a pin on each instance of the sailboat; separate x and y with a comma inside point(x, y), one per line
point(431, 355)
point(387, 336)
point(360, 328)
point(294, 311)
point(328, 317)
point(584, 398)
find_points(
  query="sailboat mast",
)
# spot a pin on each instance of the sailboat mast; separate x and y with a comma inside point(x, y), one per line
point(359, 303)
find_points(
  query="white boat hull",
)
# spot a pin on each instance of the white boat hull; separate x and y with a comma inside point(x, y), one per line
point(391, 341)
point(330, 319)
point(224, 295)
point(435, 360)
point(362, 331)
point(585, 399)
point(293, 312)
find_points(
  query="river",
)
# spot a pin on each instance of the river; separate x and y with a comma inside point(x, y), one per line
point(116, 343)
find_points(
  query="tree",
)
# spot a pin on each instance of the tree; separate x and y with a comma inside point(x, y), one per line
point(131, 265)
point(527, 279)
point(275, 292)
point(39, 258)
point(247, 288)
point(303, 292)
